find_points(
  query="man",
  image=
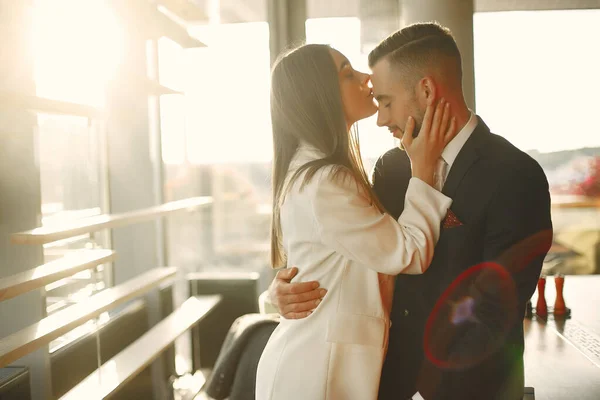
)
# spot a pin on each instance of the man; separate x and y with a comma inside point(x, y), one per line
point(457, 329)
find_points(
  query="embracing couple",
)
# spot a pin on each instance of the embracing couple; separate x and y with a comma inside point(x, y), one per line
point(414, 284)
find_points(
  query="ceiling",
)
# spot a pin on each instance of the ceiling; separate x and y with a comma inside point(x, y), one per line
point(530, 5)
point(232, 11)
point(378, 17)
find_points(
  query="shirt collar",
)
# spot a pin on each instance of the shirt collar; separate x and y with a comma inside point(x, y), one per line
point(456, 144)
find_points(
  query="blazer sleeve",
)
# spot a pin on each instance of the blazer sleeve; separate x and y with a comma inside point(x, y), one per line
point(350, 224)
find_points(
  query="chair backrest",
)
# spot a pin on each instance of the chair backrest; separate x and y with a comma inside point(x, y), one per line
point(244, 383)
point(239, 291)
point(234, 374)
point(529, 394)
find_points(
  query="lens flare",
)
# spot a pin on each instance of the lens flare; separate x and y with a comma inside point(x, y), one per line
point(471, 318)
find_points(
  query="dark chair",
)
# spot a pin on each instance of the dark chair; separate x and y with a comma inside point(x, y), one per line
point(14, 383)
point(529, 394)
point(234, 374)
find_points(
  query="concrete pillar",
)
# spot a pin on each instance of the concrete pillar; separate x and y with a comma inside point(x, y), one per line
point(132, 167)
point(287, 25)
point(20, 191)
point(378, 19)
point(456, 15)
point(130, 161)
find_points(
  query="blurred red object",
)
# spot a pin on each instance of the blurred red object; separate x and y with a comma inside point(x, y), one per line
point(591, 185)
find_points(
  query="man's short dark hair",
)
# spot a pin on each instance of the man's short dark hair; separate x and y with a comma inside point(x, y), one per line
point(419, 49)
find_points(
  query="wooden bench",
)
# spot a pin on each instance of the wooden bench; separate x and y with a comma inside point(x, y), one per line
point(50, 106)
point(119, 370)
point(49, 234)
point(53, 271)
point(43, 332)
point(39, 335)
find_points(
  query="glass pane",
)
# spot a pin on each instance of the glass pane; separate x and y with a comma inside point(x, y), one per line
point(228, 95)
point(72, 187)
point(76, 49)
point(216, 141)
point(77, 46)
point(69, 157)
point(526, 91)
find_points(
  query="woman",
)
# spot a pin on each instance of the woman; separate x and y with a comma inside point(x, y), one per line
point(327, 220)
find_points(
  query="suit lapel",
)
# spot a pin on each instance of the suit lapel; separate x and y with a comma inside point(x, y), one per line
point(467, 157)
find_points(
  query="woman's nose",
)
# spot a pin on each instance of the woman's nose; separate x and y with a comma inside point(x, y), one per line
point(366, 78)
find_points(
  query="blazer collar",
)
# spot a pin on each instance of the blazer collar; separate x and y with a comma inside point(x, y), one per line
point(466, 158)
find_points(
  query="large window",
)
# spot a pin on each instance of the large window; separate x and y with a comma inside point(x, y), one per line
point(526, 90)
point(537, 84)
point(216, 141)
point(76, 48)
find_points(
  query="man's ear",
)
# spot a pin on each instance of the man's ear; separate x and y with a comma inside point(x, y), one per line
point(426, 91)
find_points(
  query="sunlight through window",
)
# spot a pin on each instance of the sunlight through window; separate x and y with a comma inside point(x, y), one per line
point(536, 75)
point(77, 46)
point(227, 114)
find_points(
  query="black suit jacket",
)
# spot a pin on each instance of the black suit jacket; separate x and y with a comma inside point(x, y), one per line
point(457, 329)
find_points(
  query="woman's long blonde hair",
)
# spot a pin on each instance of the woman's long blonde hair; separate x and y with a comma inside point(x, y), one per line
point(306, 106)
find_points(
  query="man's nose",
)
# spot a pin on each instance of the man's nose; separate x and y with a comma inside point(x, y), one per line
point(381, 119)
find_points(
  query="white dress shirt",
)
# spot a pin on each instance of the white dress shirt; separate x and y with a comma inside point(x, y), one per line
point(456, 144)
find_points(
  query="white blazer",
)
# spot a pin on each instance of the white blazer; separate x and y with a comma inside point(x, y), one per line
point(334, 236)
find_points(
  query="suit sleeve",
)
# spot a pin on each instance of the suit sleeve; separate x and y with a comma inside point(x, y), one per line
point(377, 178)
point(347, 222)
point(518, 235)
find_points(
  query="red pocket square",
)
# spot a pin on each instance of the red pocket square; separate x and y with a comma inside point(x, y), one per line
point(451, 220)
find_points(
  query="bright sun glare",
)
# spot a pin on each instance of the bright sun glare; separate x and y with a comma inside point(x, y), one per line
point(524, 81)
point(77, 46)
